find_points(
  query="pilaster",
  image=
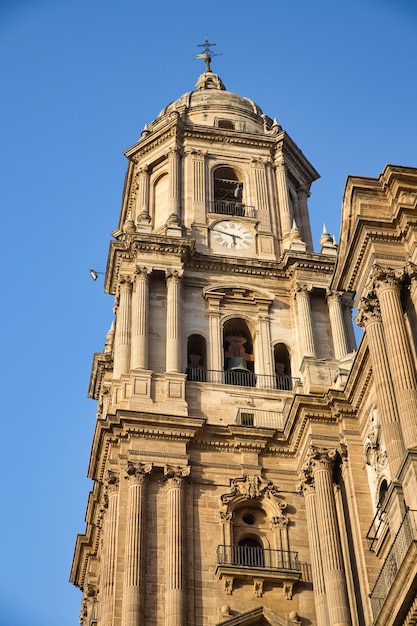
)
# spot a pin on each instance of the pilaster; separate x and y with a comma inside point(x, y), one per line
point(108, 565)
point(173, 328)
point(175, 579)
point(123, 328)
point(140, 319)
point(387, 282)
point(369, 317)
point(133, 588)
point(319, 468)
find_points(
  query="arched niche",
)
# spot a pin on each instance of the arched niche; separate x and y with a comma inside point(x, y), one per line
point(196, 358)
point(227, 184)
point(238, 353)
point(282, 365)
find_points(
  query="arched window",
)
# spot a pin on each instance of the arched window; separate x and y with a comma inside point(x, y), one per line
point(228, 192)
point(250, 553)
point(238, 354)
point(282, 366)
point(382, 494)
point(196, 358)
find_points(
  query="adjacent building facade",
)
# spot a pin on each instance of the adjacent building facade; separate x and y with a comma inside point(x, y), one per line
point(250, 464)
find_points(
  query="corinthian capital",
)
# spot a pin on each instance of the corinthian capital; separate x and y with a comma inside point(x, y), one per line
point(175, 474)
point(141, 271)
point(319, 458)
point(368, 311)
point(138, 471)
point(383, 277)
point(173, 275)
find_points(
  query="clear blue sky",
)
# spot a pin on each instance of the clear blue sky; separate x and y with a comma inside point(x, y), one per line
point(80, 78)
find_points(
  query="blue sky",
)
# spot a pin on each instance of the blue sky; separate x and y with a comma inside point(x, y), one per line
point(80, 78)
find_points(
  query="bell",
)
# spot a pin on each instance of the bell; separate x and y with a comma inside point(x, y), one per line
point(238, 374)
point(237, 363)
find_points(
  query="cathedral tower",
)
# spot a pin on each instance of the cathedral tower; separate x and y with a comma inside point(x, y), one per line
point(222, 476)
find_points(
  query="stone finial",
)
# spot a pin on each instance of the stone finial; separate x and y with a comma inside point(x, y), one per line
point(296, 240)
point(327, 242)
point(129, 225)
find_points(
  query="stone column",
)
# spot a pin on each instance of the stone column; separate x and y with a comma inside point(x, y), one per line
point(175, 595)
point(283, 200)
point(134, 584)
point(108, 565)
point(123, 328)
point(305, 324)
point(319, 468)
point(337, 323)
point(347, 305)
point(369, 317)
point(142, 202)
point(306, 488)
point(140, 319)
point(174, 186)
point(173, 330)
point(304, 220)
point(387, 283)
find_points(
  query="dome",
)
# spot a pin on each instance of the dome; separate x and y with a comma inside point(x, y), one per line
point(212, 105)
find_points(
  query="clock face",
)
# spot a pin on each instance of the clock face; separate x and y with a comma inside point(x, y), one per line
point(231, 236)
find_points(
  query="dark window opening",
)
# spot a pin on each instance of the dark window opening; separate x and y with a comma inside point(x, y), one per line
point(227, 186)
point(249, 553)
point(228, 124)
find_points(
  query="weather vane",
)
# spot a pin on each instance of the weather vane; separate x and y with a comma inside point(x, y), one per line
point(207, 54)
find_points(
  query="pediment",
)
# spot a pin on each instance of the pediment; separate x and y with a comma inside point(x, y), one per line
point(261, 616)
point(238, 293)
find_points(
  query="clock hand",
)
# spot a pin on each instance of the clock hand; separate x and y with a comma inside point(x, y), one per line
point(223, 232)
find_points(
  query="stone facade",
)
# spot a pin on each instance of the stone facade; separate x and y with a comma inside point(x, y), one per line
point(250, 465)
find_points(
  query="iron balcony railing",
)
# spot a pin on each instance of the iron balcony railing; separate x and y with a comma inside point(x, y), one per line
point(241, 378)
point(376, 528)
point(258, 558)
point(407, 533)
point(229, 207)
point(260, 418)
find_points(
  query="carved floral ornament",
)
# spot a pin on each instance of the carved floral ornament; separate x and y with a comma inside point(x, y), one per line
point(251, 487)
point(374, 451)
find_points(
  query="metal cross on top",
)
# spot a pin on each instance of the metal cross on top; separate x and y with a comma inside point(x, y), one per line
point(207, 54)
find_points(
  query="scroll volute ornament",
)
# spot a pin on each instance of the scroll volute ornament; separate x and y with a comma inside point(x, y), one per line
point(174, 474)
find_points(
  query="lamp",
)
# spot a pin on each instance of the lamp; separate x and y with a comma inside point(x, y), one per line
point(94, 274)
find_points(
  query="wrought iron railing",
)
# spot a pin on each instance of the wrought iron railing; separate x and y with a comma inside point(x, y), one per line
point(241, 378)
point(229, 207)
point(407, 533)
point(260, 418)
point(376, 528)
point(258, 558)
